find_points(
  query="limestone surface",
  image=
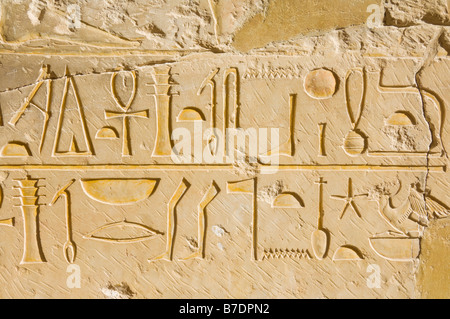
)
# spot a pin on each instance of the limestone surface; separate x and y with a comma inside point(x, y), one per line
point(224, 149)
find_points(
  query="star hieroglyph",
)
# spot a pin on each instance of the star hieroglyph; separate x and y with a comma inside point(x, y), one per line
point(349, 199)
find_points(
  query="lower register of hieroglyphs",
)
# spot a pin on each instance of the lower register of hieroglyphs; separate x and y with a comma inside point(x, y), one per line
point(224, 149)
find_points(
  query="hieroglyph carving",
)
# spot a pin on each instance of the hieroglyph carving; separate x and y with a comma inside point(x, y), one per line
point(248, 187)
point(42, 78)
point(171, 221)
point(349, 199)
point(30, 211)
point(320, 237)
point(69, 247)
point(125, 115)
point(212, 192)
point(74, 149)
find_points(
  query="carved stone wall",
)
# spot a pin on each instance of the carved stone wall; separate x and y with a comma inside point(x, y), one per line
point(224, 149)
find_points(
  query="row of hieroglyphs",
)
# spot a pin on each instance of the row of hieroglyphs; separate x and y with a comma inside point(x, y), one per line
point(218, 96)
point(401, 241)
point(221, 93)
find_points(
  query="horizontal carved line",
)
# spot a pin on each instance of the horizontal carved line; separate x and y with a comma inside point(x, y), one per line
point(286, 253)
point(403, 154)
point(112, 53)
point(206, 167)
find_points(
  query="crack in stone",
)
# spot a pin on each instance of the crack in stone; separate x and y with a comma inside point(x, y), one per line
point(428, 58)
point(75, 75)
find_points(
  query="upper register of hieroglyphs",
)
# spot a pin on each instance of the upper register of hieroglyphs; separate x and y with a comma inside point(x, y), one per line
point(224, 149)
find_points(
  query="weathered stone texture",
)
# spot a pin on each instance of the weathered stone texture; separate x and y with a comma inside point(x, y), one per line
point(111, 181)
